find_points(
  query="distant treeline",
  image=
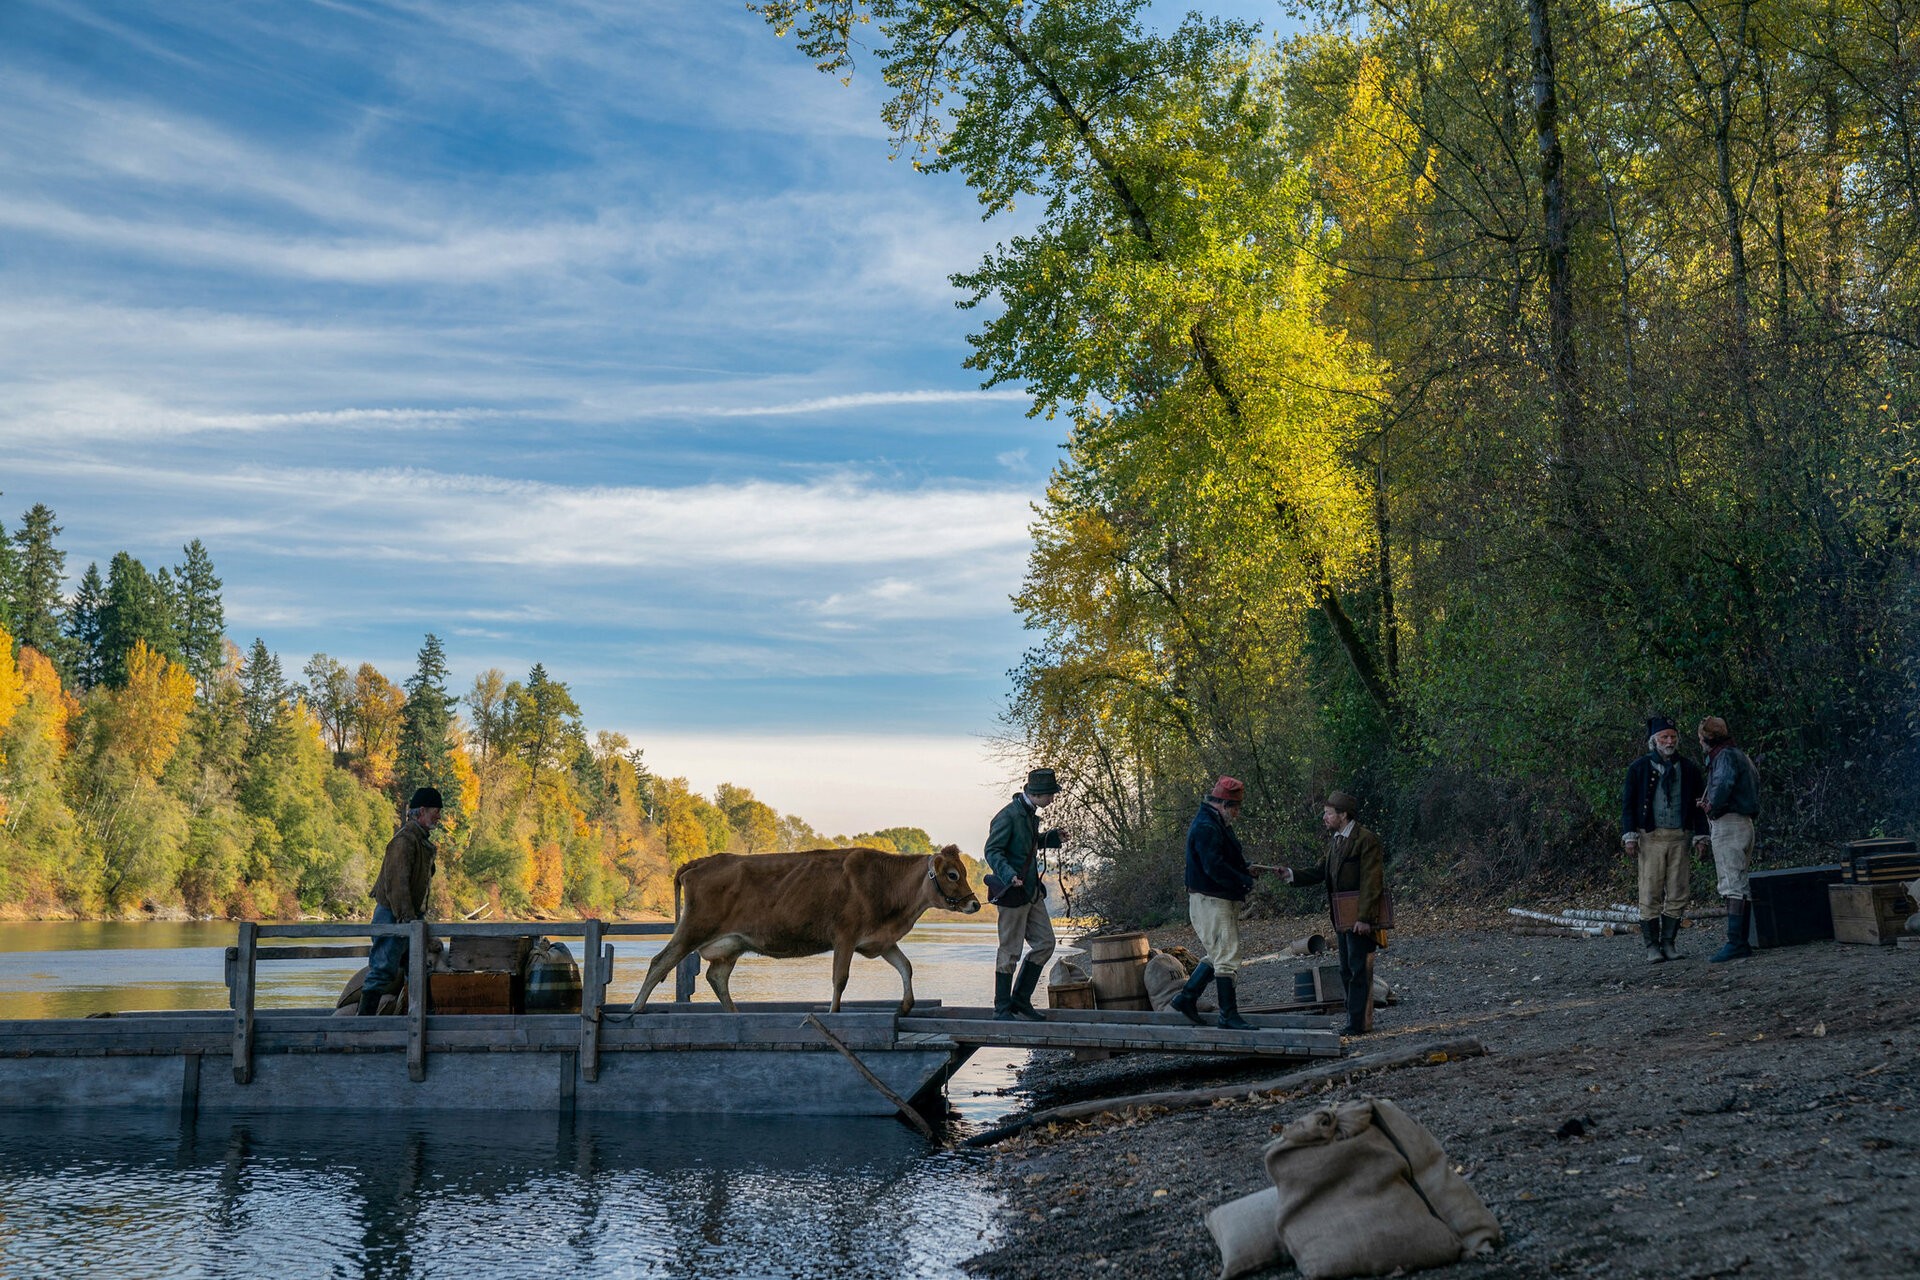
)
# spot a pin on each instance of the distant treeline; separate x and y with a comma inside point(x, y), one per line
point(145, 760)
point(1451, 386)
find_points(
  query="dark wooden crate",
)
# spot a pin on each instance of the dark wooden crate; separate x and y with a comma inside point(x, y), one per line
point(1871, 913)
point(487, 955)
point(1790, 905)
point(472, 992)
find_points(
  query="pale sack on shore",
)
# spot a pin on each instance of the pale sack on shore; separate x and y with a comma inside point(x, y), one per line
point(1359, 1189)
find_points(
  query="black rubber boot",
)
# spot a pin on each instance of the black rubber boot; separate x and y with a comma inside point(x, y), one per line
point(1650, 933)
point(369, 1002)
point(1670, 937)
point(1737, 947)
point(1023, 984)
point(1002, 996)
point(1230, 1006)
point(1187, 1002)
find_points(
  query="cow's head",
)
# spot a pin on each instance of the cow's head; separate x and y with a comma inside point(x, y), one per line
point(948, 872)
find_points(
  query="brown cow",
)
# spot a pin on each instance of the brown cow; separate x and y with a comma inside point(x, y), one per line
point(800, 904)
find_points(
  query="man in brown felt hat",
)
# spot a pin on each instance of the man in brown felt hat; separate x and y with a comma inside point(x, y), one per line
point(1357, 864)
point(1017, 890)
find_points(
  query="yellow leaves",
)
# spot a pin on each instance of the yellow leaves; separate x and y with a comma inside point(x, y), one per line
point(12, 692)
point(146, 718)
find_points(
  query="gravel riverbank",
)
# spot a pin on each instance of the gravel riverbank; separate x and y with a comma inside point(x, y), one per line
point(1760, 1118)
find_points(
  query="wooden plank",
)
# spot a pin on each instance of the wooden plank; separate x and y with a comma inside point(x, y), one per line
point(1182, 1039)
point(418, 998)
point(914, 1117)
point(685, 975)
point(593, 994)
point(1127, 1017)
point(792, 1006)
point(243, 1003)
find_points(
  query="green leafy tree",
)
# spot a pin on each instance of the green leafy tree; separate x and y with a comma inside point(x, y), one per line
point(329, 696)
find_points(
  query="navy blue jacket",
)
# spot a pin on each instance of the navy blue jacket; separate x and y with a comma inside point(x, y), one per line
point(1216, 866)
point(1636, 800)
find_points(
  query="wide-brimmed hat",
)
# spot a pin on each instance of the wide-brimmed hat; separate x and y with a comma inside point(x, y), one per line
point(1041, 782)
point(1228, 790)
point(1342, 802)
point(1714, 729)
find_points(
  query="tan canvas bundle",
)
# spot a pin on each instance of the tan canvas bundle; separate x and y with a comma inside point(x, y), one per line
point(1359, 1189)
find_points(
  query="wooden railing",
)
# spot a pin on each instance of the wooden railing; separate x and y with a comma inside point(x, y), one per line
point(596, 971)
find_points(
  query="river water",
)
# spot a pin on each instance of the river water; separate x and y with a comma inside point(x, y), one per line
point(127, 1194)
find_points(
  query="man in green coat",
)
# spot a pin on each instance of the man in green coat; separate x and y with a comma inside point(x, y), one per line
point(1013, 855)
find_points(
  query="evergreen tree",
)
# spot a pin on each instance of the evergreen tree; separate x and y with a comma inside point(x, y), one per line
point(136, 609)
point(9, 579)
point(263, 696)
point(423, 756)
point(200, 617)
point(39, 569)
point(85, 619)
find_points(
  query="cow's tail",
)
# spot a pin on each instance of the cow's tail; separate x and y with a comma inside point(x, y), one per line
point(677, 877)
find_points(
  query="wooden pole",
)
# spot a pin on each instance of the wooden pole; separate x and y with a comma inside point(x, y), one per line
point(243, 1003)
point(417, 1001)
point(906, 1109)
point(593, 993)
point(1414, 1056)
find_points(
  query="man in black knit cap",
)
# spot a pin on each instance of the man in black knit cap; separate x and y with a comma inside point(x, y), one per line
point(400, 896)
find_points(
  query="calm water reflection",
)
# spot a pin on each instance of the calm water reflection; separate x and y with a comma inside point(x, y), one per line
point(135, 1195)
point(483, 1197)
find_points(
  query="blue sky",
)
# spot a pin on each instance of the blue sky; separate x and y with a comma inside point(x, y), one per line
point(597, 334)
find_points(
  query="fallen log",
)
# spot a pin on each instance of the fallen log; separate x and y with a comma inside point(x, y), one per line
point(1413, 1056)
point(1553, 931)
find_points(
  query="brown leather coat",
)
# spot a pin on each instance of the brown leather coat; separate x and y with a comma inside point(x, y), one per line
point(406, 872)
point(1356, 863)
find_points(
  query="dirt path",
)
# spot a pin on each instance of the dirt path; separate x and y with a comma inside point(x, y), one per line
point(1760, 1118)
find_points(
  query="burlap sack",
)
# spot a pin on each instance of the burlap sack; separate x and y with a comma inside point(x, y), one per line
point(1071, 966)
point(1247, 1233)
point(1364, 1190)
point(1165, 976)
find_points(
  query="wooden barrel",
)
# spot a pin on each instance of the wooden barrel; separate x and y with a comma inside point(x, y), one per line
point(1120, 970)
point(1071, 995)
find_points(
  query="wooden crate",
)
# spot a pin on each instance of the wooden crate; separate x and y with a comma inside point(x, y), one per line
point(1070, 995)
point(487, 955)
point(1870, 913)
point(470, 992)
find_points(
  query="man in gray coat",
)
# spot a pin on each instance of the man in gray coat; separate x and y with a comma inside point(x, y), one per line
point(1731, 803)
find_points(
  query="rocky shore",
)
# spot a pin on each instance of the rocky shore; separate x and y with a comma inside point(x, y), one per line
point(1759, 1118)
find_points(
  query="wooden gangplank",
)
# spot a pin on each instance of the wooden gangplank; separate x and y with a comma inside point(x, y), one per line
point(1274, 1035)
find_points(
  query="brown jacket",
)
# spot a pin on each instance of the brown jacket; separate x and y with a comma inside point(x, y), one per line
point(406, 872)
point(1357, 863)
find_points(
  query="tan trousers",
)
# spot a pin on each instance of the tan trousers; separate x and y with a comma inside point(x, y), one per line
point(1732, 837)
point(1217, 922)
point(1029, 926)
point(1665, 873)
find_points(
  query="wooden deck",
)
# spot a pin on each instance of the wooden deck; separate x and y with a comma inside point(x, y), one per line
point(768, 1058)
